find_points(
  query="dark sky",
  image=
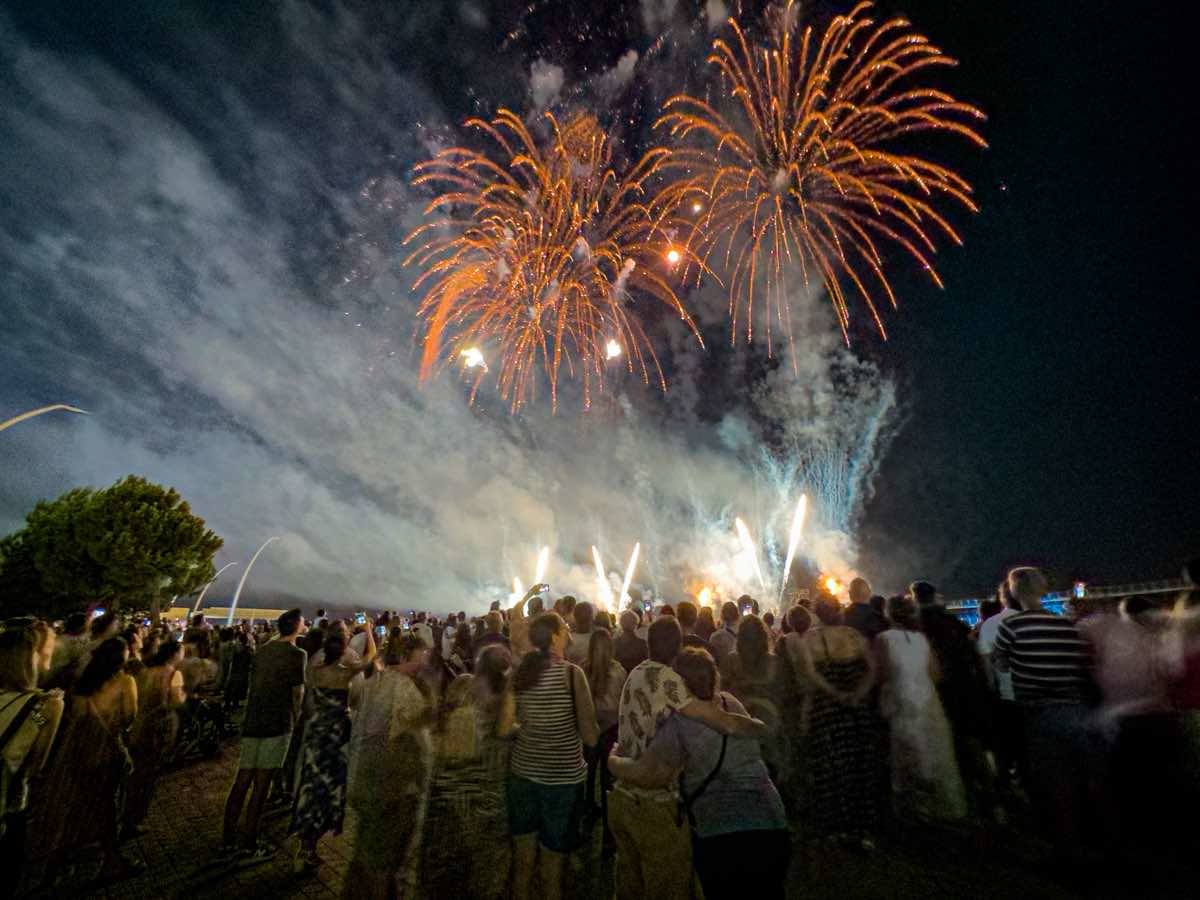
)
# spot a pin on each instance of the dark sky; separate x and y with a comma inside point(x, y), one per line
point(1048, 396)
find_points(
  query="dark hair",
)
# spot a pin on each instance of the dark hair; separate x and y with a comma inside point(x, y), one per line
point(493, 665)
point(1136, 605)
point(698, 671)
point(923, 592)
point(878, 603)
point(753, 645)
point(542, 632)
point(799, 619)
point(768, 619)
point(567, 605)
point(289, 622)
point(666, 610)
point(604, 619)
point(101, 624)
point(398, 648)
point(585, 615)
point(827, 612)
point(687, 614)
point(706, 616)
point(729, 612)
point(334, 646)
point(225, 633)
point(108, 660)
point(164, 654)
point(535, 605)
point(598, 665)
point(664, 639)
point(76, 622)
point(902, 612)
point(989, 607)
point(462, 640)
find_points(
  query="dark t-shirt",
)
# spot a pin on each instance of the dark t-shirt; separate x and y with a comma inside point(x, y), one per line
point(278, 667)
point(630, 650)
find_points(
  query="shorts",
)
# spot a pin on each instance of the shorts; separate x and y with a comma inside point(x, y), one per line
point(551, 811)
point(264, 752)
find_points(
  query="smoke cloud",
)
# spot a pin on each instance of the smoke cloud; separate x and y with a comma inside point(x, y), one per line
point(218, 281)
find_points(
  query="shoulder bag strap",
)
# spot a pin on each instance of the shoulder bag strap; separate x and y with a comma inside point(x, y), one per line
point(686, 800)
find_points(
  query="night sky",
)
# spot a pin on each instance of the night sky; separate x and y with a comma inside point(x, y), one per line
point(1047, 399)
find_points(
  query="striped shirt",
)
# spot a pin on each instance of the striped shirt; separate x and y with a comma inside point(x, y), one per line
point(1049, 659)
point(548, 748)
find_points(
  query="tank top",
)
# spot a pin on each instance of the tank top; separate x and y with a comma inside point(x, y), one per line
point(548, 749)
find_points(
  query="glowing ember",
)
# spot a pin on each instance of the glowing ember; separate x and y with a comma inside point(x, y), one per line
point(612, 349)
point(472, 357)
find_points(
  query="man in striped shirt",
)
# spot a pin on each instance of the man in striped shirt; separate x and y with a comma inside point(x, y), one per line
point(1050, 664)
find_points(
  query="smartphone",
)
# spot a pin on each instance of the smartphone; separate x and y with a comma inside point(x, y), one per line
point(360, 619)
point(1080, 590)
point(97, 612)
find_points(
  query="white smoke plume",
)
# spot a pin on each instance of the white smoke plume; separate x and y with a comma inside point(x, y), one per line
point(235, 317)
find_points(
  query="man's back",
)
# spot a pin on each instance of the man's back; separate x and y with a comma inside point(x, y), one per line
point(629, 649)
point(278, 668)
point(1049, 659)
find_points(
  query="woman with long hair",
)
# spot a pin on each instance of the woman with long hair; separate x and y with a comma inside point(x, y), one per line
point(321, 794)
point(706, 625)
point(547, 772)
point(81, 800)
point(750, 673)
point(466, 801)
point(925, 778)
point(606, 678)
point(29, 721)
point(461, 651)
point(389, 765)
point(160, 694)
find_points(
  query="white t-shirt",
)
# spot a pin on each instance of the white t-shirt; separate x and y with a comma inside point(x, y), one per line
point(987, 643)
point(424, 632)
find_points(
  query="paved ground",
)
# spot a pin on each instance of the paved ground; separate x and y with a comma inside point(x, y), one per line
point(184, 827)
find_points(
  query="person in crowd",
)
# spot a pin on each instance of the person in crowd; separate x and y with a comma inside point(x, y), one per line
point(788, 689)
point(860, 614)
point(321, 784)
point(773, 630)
point(1137, 719)
point(133, 637)
point(962, 689)
point(466, 802)
point(724, 640)
point(199, 672)
point(272, 709)
point(160, 692)
point(422, 629)
point(70, 652)
point(606, 678)
point(735, 814)
point(751, 674)
point(584, 615)
point(494, 633)
point(556, 720)
point(461, 655)
point(565, 607)
point(199, 635)
point(706, 626)
point(654, 850)
point(520, 615)
point(628, 648)
point(450, 632)
point(1005, 731)
point(240, 658)
point(80, 801)
point(29, 722)
point(689, 618)
point(925, 780)
point(389, 767)
point(1051, 667)
point(839, 735)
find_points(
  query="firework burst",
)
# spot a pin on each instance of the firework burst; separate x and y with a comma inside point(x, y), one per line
point(541, 256)
point(807, 170)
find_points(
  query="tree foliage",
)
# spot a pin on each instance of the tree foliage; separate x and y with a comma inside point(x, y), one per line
point(129, 545)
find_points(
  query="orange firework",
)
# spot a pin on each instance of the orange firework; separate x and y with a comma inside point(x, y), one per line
point(800, 175)
point(539, 256)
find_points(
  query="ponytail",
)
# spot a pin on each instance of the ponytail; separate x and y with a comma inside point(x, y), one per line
point(542, 631)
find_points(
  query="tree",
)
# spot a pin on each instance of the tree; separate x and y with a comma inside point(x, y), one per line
point(129, 545)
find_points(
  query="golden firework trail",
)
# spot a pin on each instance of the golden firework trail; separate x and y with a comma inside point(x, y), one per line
point(541, 255)
point(813, 166)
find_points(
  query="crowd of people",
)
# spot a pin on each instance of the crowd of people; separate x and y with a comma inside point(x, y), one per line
point(685, 740)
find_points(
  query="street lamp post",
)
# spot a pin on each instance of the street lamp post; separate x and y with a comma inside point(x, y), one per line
point(241, 584)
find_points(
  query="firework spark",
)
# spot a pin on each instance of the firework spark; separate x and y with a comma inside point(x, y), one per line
point(805, 170)
point(543, 254)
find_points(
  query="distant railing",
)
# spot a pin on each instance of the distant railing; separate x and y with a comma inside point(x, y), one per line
point(968, 609)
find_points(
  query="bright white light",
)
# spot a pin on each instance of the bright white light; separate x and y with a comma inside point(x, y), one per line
point(472, 357)
point(633, 558)
point(612, 349)
point(543, 561)
point(672, 256)
point(696, 207)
